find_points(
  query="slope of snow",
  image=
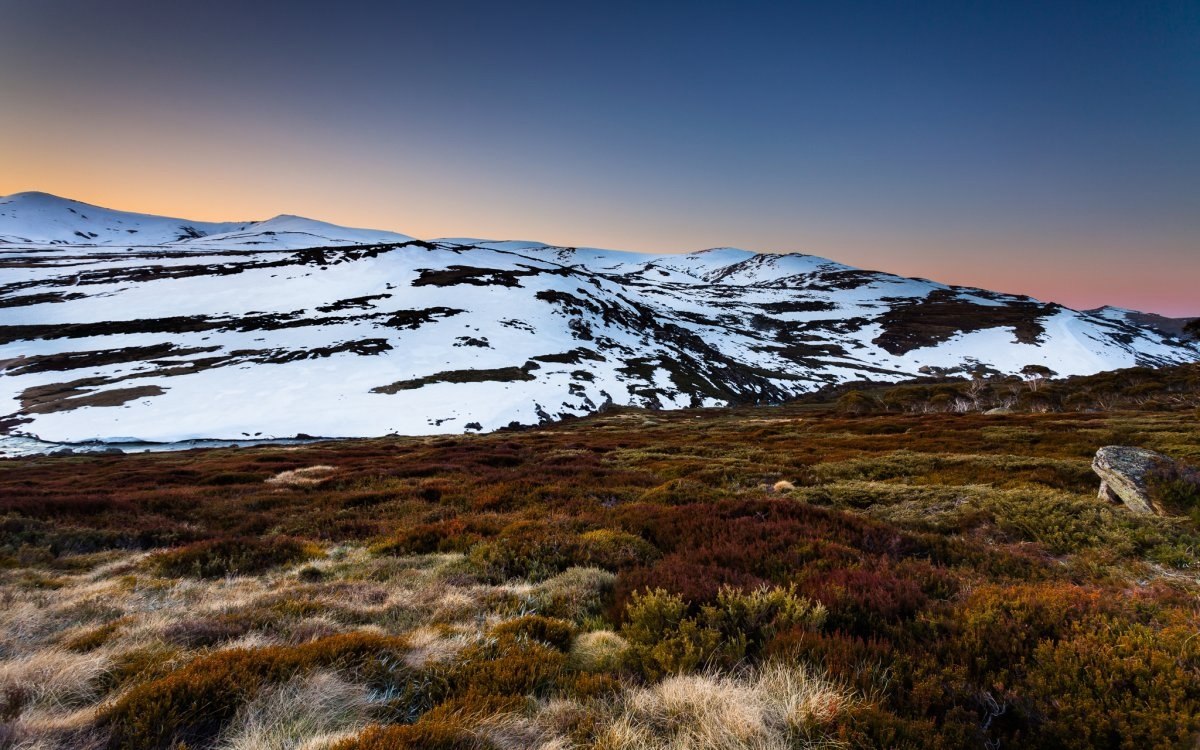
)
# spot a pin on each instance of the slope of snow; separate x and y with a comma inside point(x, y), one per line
point(287, 232)
point(40, 219)
point(43, 219)
point(248, 332)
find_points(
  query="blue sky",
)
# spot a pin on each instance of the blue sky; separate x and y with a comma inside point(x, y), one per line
point(1045, 148)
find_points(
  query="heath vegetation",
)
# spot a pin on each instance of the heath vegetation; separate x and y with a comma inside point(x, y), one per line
point(812, 575)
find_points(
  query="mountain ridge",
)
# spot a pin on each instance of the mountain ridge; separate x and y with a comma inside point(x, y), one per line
point(34, 219)
point(255, 336)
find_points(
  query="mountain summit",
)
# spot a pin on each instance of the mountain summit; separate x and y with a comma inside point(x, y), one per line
point(289, 326)
point(37, 219)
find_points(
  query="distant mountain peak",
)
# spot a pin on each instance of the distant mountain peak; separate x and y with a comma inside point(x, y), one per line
point(35, 195)
point(35, 218)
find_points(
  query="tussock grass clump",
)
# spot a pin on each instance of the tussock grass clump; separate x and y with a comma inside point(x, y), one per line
point(52, 679)
point(308, 476)
point(192, 704)
point(237, 556)
point(308, 711)
point(577, 594)
point(775, 706)
point(431, 646)
point(599, 651)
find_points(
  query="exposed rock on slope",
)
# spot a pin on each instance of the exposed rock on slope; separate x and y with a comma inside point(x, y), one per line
point(1125, 476)
point(1133, 476)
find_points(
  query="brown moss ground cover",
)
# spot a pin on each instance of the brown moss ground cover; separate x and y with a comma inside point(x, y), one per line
point(914, 580)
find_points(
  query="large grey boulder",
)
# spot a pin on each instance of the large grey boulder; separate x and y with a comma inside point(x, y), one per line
point(1125, 474)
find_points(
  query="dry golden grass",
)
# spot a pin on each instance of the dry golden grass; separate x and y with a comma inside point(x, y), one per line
point(305, 477)
point(123, 616)
point(54, 680)
point(599, 651)
point(311, 712)
point(774, 707)
point(128, 625)
point(429, 646)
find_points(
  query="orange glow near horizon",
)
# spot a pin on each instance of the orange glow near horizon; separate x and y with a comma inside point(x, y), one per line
point(1008, 263)
point(201, 168)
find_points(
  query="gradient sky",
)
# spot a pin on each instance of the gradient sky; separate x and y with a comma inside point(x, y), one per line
point(1044, 148)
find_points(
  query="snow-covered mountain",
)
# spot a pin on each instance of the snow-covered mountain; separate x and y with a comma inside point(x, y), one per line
point(38, 219)
point(292, 326)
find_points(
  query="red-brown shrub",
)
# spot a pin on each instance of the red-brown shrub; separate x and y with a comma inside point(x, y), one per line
point(235, 556)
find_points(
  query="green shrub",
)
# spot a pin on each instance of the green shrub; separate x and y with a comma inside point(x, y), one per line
point(538, 551)
point(453, 535)
point(140, 665)
point(449, 726)
point(1121, 686)
point(996, 627)
point(204, 632)
point(13, 700)
point(93, 638)
point(311, 574)
point(665, 639)
point(614, 550)
point(521, 555)
point(682, 492)
point(1177, 489)
point(856, 402)
point(1062, 523)
point(235, 477)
